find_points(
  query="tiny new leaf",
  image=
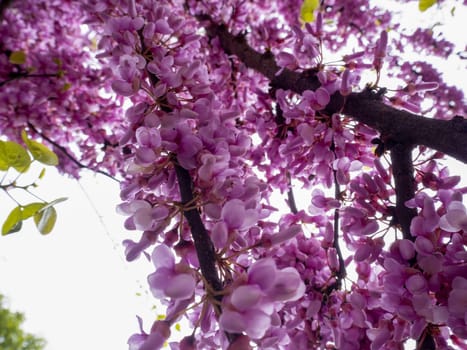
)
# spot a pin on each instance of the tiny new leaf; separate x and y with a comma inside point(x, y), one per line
point(13, 222)
point(307, 10)
point(14, 155)
point(424, 5)
point(17, 57)
point(45, 219)
point(39, 151)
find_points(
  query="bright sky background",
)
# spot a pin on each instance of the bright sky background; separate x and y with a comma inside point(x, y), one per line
point(74, 286)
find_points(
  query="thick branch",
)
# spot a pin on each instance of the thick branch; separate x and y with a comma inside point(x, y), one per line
point(203, 244)
point(404, 182)
point(449, 137)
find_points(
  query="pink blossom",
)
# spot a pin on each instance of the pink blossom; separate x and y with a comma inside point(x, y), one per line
point(236, 216)
point(455, 218)
point(457, 305)
point(250, 306)
point(170, 280)
point(160, 332)
point(317, 100)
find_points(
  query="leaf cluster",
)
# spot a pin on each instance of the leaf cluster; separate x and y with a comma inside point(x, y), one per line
point(13, 155)
point(12, 337)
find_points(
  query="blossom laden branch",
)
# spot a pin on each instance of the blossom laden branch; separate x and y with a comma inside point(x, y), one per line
point(203, 244)
point(404, 183)
point(449, 137)
point(26, 75)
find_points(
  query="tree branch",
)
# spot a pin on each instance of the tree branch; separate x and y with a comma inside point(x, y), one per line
point(14, 77)
point(290, 196)
point(68, 155)
point(404, 182)
point(447, 136)
point(337, 195)
point(203, 244)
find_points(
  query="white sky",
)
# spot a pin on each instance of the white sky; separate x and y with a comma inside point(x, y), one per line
point(73, 285)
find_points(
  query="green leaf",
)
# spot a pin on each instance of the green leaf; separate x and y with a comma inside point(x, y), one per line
point(13, 222)
point(45, 219)
point(424, 5)
point(31, 209)
point(39, 151)
point(307, 10)
point(66, 87)
point(17, 57)
point(14, 155)
point(3, 163)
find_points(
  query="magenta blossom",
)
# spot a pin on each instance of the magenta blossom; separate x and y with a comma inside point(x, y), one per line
point(170, 280)
point(251, 307)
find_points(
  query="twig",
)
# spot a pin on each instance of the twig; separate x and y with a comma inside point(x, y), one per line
point(20, 76)
point(290, 196)
point(69, 156)
point(337, 195)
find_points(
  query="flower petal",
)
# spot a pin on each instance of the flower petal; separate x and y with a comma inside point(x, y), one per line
point(181, 286)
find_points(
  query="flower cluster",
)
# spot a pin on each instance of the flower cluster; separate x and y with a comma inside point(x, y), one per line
point(251, 306)
point(52, 85)
point(209, 111)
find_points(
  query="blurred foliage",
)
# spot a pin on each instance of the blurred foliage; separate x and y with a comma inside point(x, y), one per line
point(12, 337)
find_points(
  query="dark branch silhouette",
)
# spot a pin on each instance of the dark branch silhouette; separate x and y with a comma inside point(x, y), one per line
point(447, 136)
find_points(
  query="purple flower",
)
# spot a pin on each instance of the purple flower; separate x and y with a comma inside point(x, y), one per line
point(455, 218)
point(250, 307)
point(457, 305)
point(170, 280)
point(236, 216)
